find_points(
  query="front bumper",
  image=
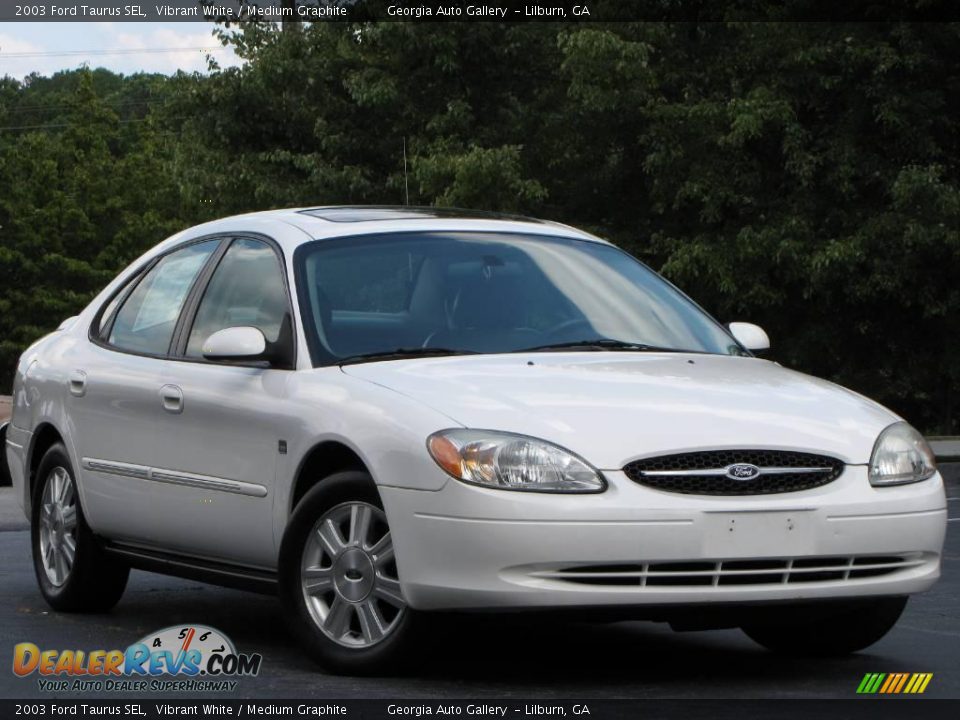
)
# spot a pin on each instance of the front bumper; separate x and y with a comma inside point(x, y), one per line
point(466, 547)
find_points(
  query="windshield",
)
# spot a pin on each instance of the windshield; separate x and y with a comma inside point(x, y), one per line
point(407, 294)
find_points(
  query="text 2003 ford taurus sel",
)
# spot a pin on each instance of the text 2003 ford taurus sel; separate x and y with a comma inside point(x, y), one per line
point(382, 412)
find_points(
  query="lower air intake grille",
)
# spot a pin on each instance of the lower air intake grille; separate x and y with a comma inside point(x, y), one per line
point(735, 472)
point(718, 573)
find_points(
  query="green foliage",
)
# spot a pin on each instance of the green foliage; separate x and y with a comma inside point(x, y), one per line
point(482, 178)
point(81, 189)
point(800, 175)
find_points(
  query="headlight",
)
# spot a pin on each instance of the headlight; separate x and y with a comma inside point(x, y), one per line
point(901, 455)
point(512, 462)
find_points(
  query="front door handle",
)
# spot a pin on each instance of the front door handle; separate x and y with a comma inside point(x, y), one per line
point(171, 397)
point(77, 383)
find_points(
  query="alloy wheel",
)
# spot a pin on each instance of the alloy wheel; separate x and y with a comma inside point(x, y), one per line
point(58, 526)
point(348, 574)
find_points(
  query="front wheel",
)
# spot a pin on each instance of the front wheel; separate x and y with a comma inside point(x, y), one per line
point(824, 631)
point(74, 574)
point(338, 578)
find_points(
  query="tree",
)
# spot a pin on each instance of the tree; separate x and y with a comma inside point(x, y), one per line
point(800, 175)
point(82, 185)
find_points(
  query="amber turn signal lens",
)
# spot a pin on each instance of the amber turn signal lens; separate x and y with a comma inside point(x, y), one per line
point(446, 455)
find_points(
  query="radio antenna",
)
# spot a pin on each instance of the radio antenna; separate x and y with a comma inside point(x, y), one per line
point(406, 183)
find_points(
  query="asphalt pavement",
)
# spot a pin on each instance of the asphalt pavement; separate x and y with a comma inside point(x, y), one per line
point(490, 657)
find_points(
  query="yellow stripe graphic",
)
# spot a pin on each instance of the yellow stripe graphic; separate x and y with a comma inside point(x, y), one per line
point(921, 678)
point(918, 683)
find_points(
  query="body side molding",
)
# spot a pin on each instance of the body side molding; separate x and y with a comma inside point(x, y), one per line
point(174, 477)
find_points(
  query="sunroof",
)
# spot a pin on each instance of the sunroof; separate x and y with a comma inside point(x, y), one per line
point(367, 214)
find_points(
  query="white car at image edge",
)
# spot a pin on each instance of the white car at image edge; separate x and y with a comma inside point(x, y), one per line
point(379, 413)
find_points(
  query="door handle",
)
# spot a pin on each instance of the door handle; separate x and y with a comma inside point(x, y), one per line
point(171, 397)
point(77, 383)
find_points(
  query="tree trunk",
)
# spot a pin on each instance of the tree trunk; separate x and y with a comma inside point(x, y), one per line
point(290, 24)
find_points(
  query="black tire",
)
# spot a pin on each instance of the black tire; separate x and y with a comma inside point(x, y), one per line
point(95, 582)
point(327, 496)
point(828, 630)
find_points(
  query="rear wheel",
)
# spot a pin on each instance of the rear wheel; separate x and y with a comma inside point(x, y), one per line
point(73, 572)
point(825, 630)
point(338, 578)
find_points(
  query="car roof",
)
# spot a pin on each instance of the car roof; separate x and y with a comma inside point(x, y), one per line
point(335, 221)
point(366, 213)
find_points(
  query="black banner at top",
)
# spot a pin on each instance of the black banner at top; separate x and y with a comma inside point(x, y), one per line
point(236, 11)
point(444, 709)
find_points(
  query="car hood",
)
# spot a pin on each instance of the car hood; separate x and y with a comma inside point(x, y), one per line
point(611, 408)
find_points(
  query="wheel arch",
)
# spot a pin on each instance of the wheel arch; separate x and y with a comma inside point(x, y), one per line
point(324, 459)
point(44, 437)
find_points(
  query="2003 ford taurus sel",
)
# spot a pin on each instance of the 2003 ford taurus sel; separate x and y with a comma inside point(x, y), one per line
point(382, 412)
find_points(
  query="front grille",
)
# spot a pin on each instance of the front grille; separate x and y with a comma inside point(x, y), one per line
point(705, 473)
point(720, 573)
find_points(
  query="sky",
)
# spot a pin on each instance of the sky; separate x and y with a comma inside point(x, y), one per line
point(122, 47)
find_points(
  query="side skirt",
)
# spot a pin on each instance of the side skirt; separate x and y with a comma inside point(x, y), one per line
point(208, 571)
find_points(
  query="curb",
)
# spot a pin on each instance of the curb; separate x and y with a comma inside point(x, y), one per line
point(950, 471)
point(946, 449)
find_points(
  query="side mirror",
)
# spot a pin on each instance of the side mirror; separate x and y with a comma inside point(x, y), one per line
point(751, 336)
point(235, 343)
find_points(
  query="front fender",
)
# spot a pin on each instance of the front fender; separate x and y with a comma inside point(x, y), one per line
point(385, 429)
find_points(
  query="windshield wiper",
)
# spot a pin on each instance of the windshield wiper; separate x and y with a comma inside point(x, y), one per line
point(600, 344)
point(401, 354)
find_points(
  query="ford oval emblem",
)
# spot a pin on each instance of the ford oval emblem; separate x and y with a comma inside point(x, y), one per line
point(742, 471)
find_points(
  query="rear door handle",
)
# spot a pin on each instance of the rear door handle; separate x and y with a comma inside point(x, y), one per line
point(78, 383)
point(171, 397)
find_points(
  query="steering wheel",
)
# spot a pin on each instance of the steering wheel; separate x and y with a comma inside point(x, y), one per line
point(428, 340)
point(567, 325)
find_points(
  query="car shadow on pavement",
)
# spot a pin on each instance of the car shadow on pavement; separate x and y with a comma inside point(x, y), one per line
point(522, 655)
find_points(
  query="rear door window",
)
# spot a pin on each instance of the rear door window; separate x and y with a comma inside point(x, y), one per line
point(146, 320)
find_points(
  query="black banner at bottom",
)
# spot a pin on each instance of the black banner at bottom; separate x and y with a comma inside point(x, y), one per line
point(853, 709)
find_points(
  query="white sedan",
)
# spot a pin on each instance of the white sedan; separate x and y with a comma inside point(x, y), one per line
point(380, 413)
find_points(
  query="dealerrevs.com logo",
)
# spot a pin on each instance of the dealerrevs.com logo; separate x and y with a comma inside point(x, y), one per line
point(181, 658)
